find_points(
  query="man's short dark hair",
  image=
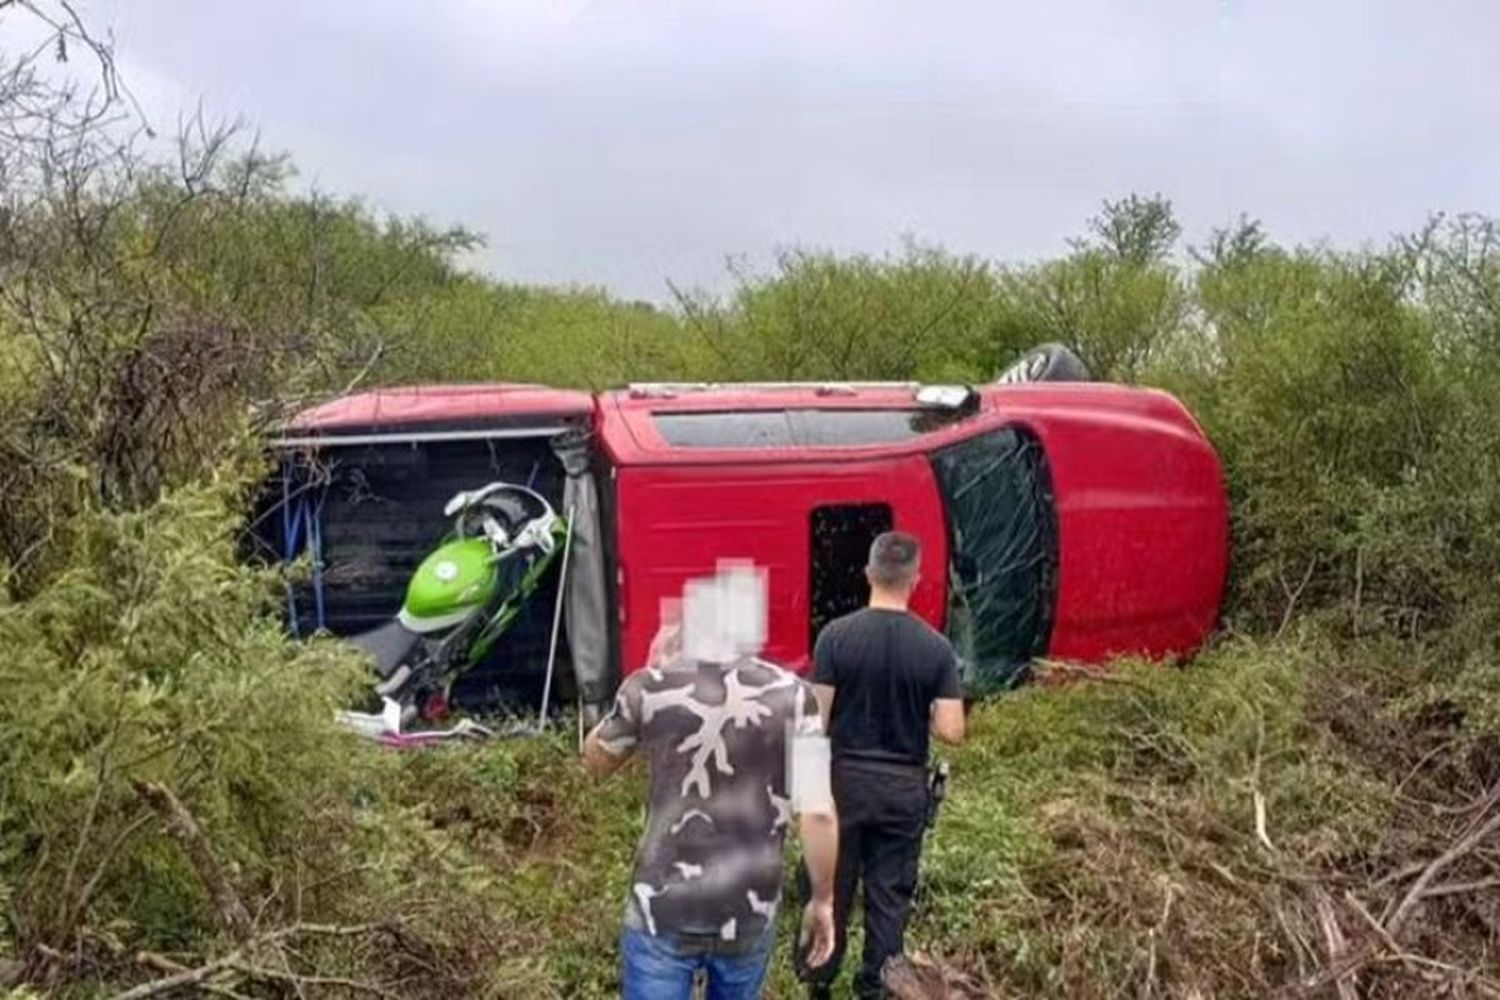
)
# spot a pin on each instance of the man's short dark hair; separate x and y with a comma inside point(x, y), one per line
point(894, 559)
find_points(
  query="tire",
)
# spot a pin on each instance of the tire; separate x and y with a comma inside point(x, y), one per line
point(1047, 363)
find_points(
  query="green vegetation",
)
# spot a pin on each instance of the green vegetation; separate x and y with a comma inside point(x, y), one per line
point(1255, 822)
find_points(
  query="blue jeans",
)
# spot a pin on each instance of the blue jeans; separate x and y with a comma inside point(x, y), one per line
point(661, 968)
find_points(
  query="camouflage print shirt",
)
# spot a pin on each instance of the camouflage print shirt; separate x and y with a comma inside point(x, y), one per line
point(715, 737)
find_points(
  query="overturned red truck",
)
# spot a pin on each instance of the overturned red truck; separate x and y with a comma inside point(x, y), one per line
point(1073, 520)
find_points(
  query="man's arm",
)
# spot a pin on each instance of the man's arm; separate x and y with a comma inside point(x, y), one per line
point(825, 677)
point(614, 739)
point(820, 846)
point(825, 693)
point(598, 759)
point(819, 832)
point(948, 723)
point(810, 784)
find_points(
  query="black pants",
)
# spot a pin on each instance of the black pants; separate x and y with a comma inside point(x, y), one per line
point(882, 816)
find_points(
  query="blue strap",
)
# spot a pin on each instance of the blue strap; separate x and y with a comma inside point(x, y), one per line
point(315, 547)
point(291, 523)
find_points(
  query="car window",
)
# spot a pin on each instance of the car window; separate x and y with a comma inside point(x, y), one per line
point(839, 546)
point(746, 429)
point(1003, 562)
point(806, 428)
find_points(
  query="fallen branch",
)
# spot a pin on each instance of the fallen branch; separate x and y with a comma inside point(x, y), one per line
point(183, 828)
point(1259, 800)
point(298, 981)
point(1343, 969)
point(1153, 934)
point(1057, 670)
point(1458, 888)
point(1418, 888)
point(1409, 959)
point(159, 963)
point(1260, 821)
point(1399, 875)
point(190, 977)
point(238, 962)
point(1375, 926)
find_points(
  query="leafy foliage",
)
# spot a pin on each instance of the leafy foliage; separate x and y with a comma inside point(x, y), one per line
point(146, 661)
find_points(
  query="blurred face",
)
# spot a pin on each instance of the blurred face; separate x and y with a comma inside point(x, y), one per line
point(724, 616)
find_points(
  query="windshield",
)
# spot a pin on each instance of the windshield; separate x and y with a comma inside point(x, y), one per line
point(1003, 566)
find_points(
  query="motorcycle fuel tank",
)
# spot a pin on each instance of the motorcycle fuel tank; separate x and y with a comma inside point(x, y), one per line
point(452, 583)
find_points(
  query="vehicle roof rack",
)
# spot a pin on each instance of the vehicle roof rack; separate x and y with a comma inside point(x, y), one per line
point(666, 390)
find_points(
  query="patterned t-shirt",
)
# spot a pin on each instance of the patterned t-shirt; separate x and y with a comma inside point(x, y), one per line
point(716, 739)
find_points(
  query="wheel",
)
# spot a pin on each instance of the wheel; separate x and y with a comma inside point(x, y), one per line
point(1047, 363)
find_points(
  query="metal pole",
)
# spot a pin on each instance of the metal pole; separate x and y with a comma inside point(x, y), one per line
point(562, 592)
point(581, 734)
point(332, 439)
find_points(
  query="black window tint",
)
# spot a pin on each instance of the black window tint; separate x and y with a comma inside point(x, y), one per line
point(751, 429)
point(841, 537)
point(805, 428)
point(832, 428)
point(1003, 562)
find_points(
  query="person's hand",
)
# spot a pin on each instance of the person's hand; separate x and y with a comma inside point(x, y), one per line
point(818, 933)
point(666, 647)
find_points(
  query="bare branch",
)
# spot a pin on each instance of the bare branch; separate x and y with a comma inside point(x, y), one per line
point(1418, 889)
point(189, 835)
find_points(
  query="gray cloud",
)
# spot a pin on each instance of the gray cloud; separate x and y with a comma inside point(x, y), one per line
point(624, 143)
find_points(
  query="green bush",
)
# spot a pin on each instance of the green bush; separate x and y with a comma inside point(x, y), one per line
point(157, 658)
point(152, 658)
point(921, 314)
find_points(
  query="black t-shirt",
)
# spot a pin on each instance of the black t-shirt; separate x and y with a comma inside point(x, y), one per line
point(887, 668)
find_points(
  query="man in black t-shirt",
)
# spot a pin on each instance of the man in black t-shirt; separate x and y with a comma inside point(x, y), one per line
point(885, 680)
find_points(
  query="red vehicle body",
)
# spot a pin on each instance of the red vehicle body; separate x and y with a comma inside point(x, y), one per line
point(1129, 546)
point(1141, 514)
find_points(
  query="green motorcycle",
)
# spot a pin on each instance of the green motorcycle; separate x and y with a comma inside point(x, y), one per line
point(459, 602)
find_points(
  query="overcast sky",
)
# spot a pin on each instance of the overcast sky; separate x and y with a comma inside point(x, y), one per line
point(625, 142)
